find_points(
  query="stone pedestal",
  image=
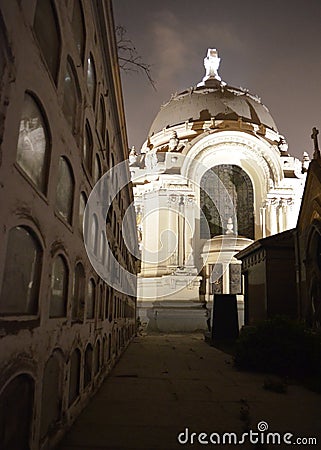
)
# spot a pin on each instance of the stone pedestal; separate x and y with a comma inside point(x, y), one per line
point(171, 303)
point(172, 317)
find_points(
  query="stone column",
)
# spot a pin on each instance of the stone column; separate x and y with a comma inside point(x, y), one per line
point(150, 245)
point(208, 270)
point(189, 230)
point(272, 215)
point(181, 230)
point(282, 214)
point(263, 220)
point(287, 218)
point(268, 217)
point(279, 216)
point(173, 229)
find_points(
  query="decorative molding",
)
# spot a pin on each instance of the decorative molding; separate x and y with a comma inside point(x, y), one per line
point(253, 259)
point(265, 155)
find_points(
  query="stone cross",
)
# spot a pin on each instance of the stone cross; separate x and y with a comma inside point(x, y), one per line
point(314, 136)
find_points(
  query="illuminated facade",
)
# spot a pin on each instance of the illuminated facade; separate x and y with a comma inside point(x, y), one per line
point(213, 176)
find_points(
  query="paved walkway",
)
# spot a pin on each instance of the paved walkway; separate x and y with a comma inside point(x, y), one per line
point(164, 384)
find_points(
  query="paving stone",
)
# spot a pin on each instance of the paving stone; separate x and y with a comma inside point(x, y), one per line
point(164, 384)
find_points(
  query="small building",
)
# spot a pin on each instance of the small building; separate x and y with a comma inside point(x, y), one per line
point(268, 269)
point(282, 273)
point(308, 243)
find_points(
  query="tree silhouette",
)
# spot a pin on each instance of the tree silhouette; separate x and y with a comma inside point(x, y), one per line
point(129, 58)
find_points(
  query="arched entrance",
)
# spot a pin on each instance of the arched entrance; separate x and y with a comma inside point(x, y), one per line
point(217, 184)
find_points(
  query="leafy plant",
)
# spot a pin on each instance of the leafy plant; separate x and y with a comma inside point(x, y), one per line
point(279, 346)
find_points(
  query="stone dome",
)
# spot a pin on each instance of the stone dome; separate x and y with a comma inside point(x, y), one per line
point(204, 103)
point(212, 98)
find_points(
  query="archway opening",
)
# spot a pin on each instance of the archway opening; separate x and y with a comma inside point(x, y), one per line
point(227, 196)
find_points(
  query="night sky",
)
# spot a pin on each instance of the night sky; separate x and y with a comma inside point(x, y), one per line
point(271, 47)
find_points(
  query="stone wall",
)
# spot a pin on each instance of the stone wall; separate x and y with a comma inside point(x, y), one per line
point(62, 328)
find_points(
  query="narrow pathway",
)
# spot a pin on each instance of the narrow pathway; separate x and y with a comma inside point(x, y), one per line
point(164, 384)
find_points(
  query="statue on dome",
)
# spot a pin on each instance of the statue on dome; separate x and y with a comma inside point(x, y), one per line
point(211, 64)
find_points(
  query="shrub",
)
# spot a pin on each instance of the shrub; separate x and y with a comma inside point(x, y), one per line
point(279, 346)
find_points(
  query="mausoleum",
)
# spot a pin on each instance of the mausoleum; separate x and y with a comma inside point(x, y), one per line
point(213, 176)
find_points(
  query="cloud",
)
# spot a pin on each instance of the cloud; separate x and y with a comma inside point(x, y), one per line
point(169, 46)
point(180, 48)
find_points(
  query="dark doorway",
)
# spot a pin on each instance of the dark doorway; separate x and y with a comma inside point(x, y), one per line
point(16, 407)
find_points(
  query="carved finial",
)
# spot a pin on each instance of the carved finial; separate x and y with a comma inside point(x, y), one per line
point(305, 162)
point(132, 155)
point(283, 146)
point(229, 226)
point(211, 64)
point(314, 136)
point(149, 144)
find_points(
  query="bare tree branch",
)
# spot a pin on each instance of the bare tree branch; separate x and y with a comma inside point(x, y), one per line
point(129, 58)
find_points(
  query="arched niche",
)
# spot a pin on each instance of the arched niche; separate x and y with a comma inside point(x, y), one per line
point(259, 160)
point(219, 182)
point(16, 411)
